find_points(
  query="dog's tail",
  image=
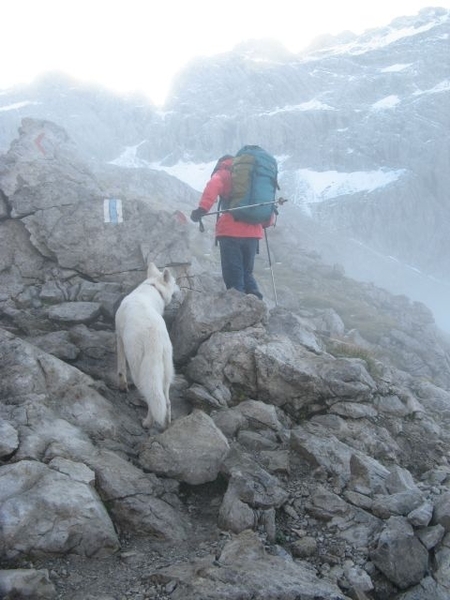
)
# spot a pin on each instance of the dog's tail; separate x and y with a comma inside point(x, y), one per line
point(152, 390)
point(153, 376)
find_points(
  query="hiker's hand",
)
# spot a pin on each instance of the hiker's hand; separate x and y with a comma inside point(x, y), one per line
point(197, 214)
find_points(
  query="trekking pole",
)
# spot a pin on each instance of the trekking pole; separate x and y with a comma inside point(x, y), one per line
point(271, 268)
point(220, 212)
point(280, 201)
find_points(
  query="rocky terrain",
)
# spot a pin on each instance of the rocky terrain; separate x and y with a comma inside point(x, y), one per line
point(359, 125)
point(308, 455)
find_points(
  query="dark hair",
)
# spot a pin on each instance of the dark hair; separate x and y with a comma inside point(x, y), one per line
point(221, 159)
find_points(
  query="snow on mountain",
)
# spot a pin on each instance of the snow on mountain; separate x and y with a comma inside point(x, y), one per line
point(387, 102)
point(443, 86)
point(379, 38)
point(313, 104)
point(129, 158)
point(379, 41)
point(311, 186)
point(315, 186)
point(17, 105)
point(194, 174)
point(395, 68)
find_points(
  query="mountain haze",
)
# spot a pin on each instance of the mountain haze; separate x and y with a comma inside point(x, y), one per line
point(359, 124)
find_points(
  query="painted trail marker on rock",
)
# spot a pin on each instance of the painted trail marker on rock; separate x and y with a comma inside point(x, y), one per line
point(112, 210)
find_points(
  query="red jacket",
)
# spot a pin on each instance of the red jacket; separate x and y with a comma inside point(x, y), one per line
point(220, 185)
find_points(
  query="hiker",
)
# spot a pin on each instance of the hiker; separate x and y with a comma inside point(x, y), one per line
point(238, 240)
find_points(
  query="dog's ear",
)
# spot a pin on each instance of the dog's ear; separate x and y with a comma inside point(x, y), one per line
point(152, 270)
point(167, 276)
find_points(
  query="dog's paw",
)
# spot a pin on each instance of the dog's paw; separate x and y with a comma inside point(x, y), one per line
point(147, 423)
point(123, 385)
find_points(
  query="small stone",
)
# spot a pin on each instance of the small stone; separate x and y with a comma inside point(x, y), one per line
point(304, 547)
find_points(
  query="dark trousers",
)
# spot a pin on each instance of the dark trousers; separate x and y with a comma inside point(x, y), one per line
point(237, 257)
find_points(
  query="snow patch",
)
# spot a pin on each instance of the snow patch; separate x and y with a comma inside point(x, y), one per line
point(396, 68)
point(443, 86)
point(312, 186)
point(194, 174)
point(374, 40)
point(129, 159)
point(319, 186)
point(198, 174)
point(398, 34)
point(304, 106)
point(386, 103)
point(17, 105)
point(394, 35)
point(260, 59)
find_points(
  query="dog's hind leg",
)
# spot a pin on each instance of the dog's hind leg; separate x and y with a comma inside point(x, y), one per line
point(121, 364)
point(150, 384)
point(168, 378)
point(157, 410)
point(169, 408)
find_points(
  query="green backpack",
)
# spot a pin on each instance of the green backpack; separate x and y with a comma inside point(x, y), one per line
point(254, 183)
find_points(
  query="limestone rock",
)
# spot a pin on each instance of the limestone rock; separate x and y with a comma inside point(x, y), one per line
point(243, 568)
point(75, 312)
point(26, 583)
point(201, 316)
point(9, 439)
point(300, 381)
point(173, 453)
point(400, 555)
point(401, 503)
point(441, 513)
point(59, 514)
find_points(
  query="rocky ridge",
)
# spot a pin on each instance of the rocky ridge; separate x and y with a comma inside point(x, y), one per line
point(308, 455)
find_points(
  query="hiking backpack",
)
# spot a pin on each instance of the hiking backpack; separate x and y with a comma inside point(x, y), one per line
point(253, 181)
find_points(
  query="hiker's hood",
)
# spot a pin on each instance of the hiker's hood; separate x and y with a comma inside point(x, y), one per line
point(226, 163)
point(223, 163)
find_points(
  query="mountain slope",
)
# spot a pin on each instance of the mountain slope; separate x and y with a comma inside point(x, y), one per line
point(359, 124)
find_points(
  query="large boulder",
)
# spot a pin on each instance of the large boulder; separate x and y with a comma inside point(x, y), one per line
point(45, 511)
point(201, 315)
point(173, 453)
point(72, 219)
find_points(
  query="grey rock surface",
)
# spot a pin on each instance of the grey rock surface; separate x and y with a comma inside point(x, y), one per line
point(309, 449)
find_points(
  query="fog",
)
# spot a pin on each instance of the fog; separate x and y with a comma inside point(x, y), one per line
point(359, 260)
point(363, 263)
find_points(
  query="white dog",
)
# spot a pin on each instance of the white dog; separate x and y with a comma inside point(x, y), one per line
point(143, 341)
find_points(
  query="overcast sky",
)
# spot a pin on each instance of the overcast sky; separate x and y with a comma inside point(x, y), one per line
point(140, 45)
